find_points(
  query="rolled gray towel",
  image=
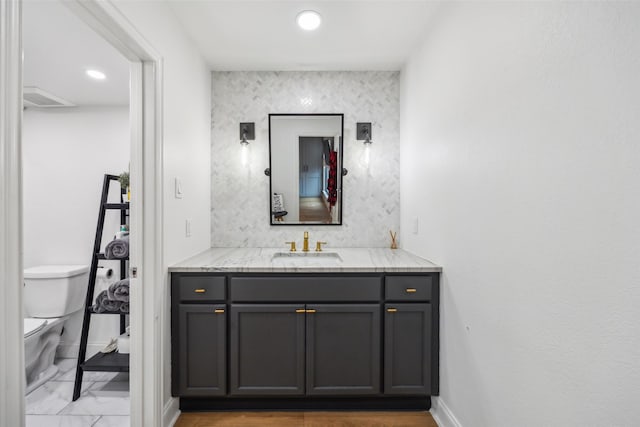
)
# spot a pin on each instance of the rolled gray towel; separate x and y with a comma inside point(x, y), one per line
point(104, 304)
point(119, 291)
point(117, 248)
point(97, 307)
point(124, 308)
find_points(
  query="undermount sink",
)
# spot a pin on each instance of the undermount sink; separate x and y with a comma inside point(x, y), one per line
point(306, 259)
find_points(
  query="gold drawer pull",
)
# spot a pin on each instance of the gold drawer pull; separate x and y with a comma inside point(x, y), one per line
point(311, 311)
point(218, 310)
point(300, 310)
point(391, 310)
point(199, 291)
point(411, 290)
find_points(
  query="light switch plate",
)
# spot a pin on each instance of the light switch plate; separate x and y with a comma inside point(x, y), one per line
point(187, 227)
point(178, 188)
point(415, 225)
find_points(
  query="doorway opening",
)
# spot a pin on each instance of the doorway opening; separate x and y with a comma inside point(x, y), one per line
point(314, 163)
point(146, 207)
point(68, 147)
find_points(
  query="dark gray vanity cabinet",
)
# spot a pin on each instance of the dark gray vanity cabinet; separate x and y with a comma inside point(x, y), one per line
point(267, 349)
point(202, 349)
point(407, 349)
point(199, 335)
point(411, 335)
point(283, 344)
point(271, 344)
point(343, 349)
point(299, 340)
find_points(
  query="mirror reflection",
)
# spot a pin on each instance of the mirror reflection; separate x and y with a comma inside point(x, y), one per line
point(305, 159)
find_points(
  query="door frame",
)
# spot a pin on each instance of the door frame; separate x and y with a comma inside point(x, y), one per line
point(12, 377)
point(147, 358)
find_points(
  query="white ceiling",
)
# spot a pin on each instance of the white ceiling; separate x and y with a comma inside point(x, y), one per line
point(59, 47)
point(263, 34)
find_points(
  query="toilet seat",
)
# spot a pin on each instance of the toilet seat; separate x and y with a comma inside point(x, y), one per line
point(31, 326)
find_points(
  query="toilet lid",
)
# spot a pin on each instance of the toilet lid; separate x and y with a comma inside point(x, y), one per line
point(31, 326)
point(54, 271)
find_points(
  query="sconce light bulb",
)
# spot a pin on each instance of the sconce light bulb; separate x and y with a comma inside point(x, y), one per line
point(244, 153)
point(367, 154)
point(244, 141)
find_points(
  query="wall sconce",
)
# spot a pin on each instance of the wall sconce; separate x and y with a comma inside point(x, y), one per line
point(363, 132)
point(247, 133)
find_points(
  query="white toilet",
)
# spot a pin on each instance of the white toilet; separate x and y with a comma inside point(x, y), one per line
point(52, 293)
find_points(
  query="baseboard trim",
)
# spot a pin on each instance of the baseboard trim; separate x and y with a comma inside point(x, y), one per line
point(171, 413)
point(442, 414)
point(305, 404)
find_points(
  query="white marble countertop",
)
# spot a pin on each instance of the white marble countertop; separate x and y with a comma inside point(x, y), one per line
point(330, 260)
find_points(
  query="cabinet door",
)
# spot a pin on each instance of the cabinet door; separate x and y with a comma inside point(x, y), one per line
point(267, 349)
point(343, 349)
point(407, 349)
point(202, 349)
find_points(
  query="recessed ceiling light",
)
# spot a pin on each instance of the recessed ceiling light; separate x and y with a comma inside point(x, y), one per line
point(95, 74)
point(308, 20)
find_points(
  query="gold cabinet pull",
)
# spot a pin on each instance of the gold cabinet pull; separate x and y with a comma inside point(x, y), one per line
point(411, 290)
point(391, 310)
point(310, 311)
point(218, 310)
point(300, 310)
point(199, 291)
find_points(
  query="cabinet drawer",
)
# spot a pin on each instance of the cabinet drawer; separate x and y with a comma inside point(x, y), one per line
point(202, 288)
point(408, 288)
point(305, 289)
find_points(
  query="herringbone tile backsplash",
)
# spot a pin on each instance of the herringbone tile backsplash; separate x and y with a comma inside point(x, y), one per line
point(240, 194)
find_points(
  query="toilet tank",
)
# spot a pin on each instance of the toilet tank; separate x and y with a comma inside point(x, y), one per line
point(54, 290)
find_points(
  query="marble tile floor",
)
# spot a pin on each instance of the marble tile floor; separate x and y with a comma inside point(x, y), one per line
point(104, 401)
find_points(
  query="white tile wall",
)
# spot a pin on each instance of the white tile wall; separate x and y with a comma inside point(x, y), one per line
point(240, 195)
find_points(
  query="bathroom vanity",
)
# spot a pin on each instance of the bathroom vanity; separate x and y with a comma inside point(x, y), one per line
point(266, 329)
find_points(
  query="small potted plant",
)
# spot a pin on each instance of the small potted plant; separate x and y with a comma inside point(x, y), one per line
point(124, 184)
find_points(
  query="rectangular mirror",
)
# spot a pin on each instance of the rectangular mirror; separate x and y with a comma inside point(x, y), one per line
point(305, 161)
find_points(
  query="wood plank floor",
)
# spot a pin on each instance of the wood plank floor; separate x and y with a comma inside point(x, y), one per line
point(306, 419)
point(313, 209)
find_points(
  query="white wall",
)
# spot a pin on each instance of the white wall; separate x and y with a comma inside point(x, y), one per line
point(240, 195)
point(66, 154)
point(520, 157)
point(186, 145)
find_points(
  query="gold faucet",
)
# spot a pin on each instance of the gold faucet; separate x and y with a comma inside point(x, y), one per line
point(293, 246)
point(305, 243)
point(319, 246)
